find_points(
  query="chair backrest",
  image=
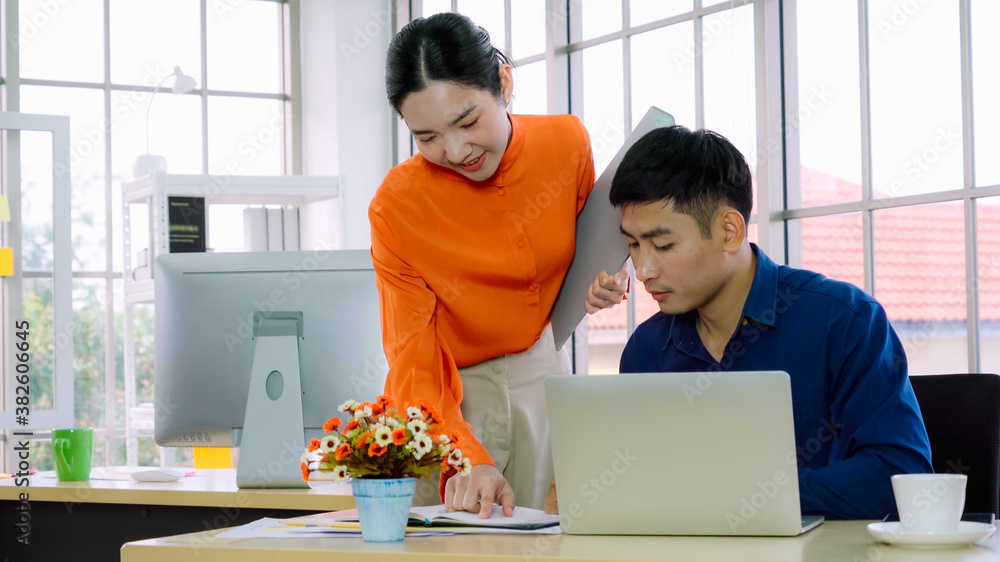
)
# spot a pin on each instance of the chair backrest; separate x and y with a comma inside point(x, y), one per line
point(962, 416)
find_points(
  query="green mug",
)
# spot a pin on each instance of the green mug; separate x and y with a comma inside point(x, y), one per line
point(72, 449)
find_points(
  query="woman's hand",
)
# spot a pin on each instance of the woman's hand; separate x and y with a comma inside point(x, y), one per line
point(607, 291)
point(478, 491)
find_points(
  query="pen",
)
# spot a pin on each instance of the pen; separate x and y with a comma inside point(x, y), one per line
point(16, 474)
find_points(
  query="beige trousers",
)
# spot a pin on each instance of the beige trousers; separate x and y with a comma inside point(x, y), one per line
point(504, 402)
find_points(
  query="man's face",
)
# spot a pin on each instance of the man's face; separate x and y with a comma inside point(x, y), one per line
point(680, 268)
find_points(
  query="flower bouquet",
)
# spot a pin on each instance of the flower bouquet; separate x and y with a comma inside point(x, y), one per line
point(383, 451)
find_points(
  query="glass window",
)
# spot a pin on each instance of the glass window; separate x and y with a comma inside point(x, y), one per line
point(241, 46)
point(828, 118)
point(88, 133)
point(150, 37)
point(530, 89)
point(603, 100)
point(488, 14)
point(597, 19)
point(432, 7)
point(47, 27)
point(988, 239)
point(730, 79)
point(663, 72)
point(916, 98)
point(920, 280)
point(528, 25)
point(89, 323)
point(833, 245)
point(244, 136)
point(36, 202)
point(985, 85)
point(645, 11)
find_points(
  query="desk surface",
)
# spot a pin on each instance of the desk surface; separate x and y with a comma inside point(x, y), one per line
point(833, 540)
point(207, 488)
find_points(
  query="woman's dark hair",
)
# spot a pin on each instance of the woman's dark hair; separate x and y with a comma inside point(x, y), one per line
point(697, 172)
point(445, 47)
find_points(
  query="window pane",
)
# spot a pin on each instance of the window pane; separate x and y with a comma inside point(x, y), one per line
point(645, 11)
point(150, 37)
point(985, 85)
point(244, 136)
point(254, 27)
point(88, 351)
point(606, 337)
point(530, 89)
point(37, 310)
point(432, 7)
point(603, 105)
point(832, 245)
point(920, 280)
point(47, 28)
point(595, 19)
point(527, 27)
point(487, 14)
point(174, 130)
point(916, 98)
point(36, 201)
point(225, 227)
point(829, 113)
point(988, 240)
point(88, 133)
point(663, 72)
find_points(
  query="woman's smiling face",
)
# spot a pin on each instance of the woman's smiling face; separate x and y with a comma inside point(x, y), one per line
point(462, 128)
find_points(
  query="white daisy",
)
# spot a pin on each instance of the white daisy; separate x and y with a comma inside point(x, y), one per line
point(383, 435)
point(340, 473)
point(466, 467)
point(455, 458)
point(349, 405)
point(420, 445)
point(414, 413)
point(443, 439)
point(417, 426)
point(328, 443)
point(365, 412)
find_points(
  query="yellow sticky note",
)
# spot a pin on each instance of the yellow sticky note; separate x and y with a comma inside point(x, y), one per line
point(4, 208)
point(6, 262)
point(212, 457)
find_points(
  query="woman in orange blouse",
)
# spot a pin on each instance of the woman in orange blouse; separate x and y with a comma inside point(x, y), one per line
point(471, 240)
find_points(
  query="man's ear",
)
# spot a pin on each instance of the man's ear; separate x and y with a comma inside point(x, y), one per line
point(734, 229)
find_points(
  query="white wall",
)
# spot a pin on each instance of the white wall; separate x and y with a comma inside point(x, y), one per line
point(346, 120)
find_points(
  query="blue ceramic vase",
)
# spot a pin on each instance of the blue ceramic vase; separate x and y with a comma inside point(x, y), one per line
point(383, 506)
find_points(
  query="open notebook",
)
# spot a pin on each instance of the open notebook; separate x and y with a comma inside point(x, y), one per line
point(438, 516)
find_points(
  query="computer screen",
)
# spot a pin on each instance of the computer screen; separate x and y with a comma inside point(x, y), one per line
point(214, 313)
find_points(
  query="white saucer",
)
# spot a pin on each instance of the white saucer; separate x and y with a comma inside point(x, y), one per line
point(893, 533)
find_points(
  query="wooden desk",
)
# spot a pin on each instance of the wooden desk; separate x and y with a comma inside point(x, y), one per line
point(833, 540)
point(105, 514)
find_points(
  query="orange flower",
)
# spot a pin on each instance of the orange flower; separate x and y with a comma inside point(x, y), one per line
point(350, 425)
point(383, 400)
point(313, 445)
point(399, 436)
point(342, 451)
point(305, 471)
point(376, 450)
point(456, 439)
point(433, 416)
point(331, 425)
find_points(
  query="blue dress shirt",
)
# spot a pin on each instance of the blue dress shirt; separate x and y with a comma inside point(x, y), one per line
point(857, 421)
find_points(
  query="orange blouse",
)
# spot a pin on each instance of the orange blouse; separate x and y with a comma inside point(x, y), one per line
point(467, 271)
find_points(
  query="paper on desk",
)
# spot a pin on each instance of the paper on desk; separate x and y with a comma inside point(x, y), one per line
point(267, 528)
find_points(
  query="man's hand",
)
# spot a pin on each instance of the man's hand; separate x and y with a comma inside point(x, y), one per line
point(478, 491)
point(606, 291)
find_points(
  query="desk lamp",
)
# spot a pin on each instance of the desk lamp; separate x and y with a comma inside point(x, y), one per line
point(148, 164)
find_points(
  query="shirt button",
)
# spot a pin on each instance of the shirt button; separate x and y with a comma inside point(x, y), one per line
point(520, 243)
point(498, 368)
point(744, 321)
point(502, 191)
point(532, 288)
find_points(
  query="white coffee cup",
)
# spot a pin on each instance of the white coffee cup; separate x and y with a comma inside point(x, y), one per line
point(929, 503)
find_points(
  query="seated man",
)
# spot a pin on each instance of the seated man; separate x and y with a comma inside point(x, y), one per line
point(685, 199)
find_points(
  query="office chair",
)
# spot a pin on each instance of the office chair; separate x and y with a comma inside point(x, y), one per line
point(962, 416)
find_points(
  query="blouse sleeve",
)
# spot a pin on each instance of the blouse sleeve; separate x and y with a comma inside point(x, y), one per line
point(420, 363)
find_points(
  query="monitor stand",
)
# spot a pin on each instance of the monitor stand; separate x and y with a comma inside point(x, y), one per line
point(273, 438)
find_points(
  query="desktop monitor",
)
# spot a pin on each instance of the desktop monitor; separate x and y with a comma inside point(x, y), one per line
point(256, 350)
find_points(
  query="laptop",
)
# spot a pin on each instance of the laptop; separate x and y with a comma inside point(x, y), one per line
point(709, 453)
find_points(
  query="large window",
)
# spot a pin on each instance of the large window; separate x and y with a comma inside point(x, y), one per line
point(896, 190)
point(100, 63)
